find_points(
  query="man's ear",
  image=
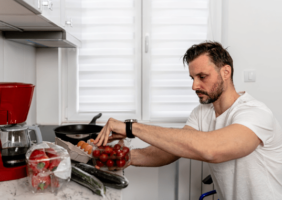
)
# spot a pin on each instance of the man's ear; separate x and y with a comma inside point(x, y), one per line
point(226, 72)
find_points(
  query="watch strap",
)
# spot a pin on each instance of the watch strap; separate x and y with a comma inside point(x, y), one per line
point(128, 124)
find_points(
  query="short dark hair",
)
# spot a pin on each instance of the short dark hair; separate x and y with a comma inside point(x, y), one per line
point(217, 54)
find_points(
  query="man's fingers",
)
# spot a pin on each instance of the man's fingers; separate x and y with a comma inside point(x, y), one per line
point(104, 136)
point(107, 133)
point(99, 135)
point(101, 139)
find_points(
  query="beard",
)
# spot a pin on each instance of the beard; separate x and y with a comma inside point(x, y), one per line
point(215, 93)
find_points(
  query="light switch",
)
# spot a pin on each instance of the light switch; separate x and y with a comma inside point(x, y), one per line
point(249, 75)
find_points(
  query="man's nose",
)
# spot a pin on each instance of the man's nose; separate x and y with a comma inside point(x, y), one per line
point(195, 85)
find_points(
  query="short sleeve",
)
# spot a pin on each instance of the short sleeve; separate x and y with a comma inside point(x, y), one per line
point(193, 119)
point(259, 120)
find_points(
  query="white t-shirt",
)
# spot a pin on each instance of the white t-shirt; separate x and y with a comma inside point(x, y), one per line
point(257, 176)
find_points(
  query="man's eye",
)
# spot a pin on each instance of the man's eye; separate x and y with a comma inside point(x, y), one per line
point(202, 77)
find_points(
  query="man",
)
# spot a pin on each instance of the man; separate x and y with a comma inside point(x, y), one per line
point(237, 135)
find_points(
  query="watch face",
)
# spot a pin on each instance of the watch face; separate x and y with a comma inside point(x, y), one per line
point(130, 120)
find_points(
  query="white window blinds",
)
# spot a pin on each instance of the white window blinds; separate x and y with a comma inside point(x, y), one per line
point(109, 61)
point(173, 27)
point(130, 64)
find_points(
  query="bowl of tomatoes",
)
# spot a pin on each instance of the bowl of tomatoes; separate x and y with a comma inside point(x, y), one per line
point(113, 156)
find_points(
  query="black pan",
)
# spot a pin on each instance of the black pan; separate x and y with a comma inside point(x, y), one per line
point(77, 132)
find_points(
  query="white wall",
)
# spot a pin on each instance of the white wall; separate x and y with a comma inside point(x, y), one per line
point(17, 64)
point(48, 80)
point(252, 30)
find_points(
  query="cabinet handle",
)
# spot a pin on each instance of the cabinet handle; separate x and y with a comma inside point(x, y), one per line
point(69, 22)
point(49, 4)
point(39, 4)
point(147, 43)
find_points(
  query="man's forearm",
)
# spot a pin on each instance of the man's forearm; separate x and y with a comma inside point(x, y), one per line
point(178, 142)
point(228, 143)
point(151, 157)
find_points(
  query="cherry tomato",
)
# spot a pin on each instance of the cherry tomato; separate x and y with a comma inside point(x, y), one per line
point(103, 157)
point(110, 163)
point(96, 153)
point(120, 163)
point(125, 150)
point(99, 163)
point(113, 154)
point(117, 147)
point(120, 154)
point(108, 150)
point(101, 148)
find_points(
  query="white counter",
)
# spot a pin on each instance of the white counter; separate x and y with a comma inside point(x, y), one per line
point(18, 190)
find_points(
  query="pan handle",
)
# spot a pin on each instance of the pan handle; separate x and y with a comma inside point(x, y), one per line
point(93, 121)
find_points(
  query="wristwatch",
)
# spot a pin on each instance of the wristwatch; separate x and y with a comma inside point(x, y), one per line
point(128, 123)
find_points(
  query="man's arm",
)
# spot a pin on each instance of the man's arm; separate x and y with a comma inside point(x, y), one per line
point(231, 142)
point(153, 156)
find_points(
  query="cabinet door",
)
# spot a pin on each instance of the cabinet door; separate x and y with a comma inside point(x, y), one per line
point(32, 5)
point(71, 17)
point(51, 9)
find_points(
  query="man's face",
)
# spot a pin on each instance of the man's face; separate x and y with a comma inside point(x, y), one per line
point(207, 81)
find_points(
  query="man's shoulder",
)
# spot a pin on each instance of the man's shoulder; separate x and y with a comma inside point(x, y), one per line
point(246, 101)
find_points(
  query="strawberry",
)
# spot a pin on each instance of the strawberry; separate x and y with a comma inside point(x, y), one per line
point(54, 159)
point(40, 182)
point(38, 161)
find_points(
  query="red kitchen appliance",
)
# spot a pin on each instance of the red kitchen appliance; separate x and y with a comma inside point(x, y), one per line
point(15, 101)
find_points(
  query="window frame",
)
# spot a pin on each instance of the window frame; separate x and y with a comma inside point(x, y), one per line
point(69, 108)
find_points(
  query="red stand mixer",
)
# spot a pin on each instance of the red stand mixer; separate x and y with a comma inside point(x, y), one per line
point(15, 101)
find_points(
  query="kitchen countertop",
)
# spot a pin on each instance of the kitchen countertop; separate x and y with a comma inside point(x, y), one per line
point(19, 190)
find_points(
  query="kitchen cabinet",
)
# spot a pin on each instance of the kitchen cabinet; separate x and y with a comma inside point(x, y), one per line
point(29, 23)
point(32, 5)
point(32, 15)
point(43, 15)
point(51, 10)
point(71, 17)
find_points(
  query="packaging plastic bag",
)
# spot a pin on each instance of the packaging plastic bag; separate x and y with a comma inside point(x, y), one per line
point(89, 181)
point(48, 167)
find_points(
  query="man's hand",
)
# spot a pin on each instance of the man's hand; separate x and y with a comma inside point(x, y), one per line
point(117, 128)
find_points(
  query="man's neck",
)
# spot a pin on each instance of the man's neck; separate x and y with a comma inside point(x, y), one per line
point(225, 101)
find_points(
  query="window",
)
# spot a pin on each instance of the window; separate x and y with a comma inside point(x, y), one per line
point(130, 64)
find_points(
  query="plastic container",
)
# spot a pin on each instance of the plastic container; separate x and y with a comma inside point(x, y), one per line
point(48, 167)
point(113, 156)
